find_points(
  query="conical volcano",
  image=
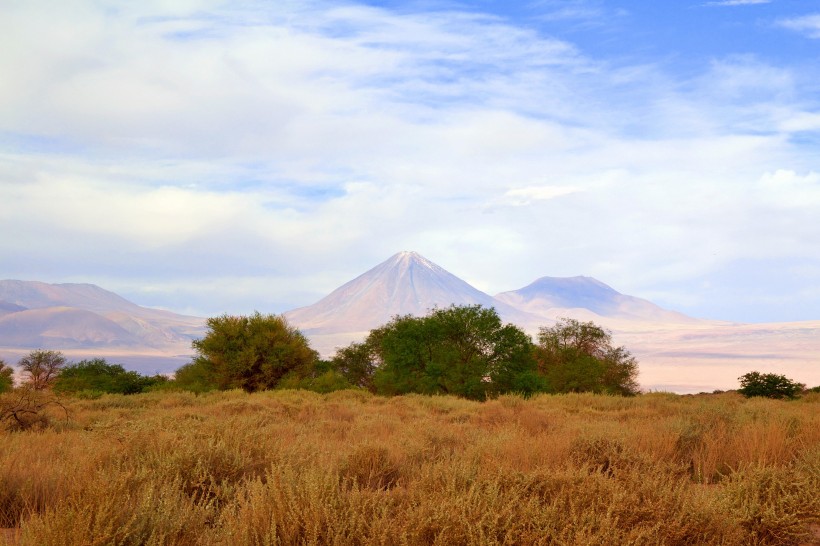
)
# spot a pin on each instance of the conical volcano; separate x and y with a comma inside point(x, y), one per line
point(406, 284)
point(564, 296)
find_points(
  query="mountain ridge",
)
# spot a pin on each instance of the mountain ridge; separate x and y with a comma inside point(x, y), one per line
point(82, 316)
point(684, 354)
point(547, 294)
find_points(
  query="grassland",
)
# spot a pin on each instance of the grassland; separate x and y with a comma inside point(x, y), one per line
point(294, 467)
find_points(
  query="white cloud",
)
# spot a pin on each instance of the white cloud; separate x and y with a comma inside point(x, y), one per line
point(528, 194)
point(205, 145)
point(792, 190)
point(797, 122)
point(808, 25)
point(737, 2)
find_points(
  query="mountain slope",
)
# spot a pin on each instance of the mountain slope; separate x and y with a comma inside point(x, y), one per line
point(39, 295)
point(406, 283)
point(62, 328)
point(40, 315)
point(551, 296)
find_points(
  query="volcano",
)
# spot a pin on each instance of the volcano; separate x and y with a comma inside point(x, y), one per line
point(573, 296)
point(405, 284)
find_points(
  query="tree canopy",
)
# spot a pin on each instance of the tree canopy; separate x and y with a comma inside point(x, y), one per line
point(6, 377)
point(576, 356)
point(99, 376)
point(769, 385)
point(41, 368)
point(249, 352)
point(460, 350)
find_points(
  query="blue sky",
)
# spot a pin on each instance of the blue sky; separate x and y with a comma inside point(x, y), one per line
point(210, 156)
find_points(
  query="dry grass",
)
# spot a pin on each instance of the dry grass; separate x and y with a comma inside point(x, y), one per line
point(291, 467)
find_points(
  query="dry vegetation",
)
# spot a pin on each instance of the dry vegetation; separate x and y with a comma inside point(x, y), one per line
point(294, 467)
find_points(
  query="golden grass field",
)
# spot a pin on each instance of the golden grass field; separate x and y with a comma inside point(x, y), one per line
point(295, 467)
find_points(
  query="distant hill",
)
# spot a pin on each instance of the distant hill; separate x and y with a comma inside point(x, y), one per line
point(40, 295)
point(118, 320)
point(86, 320)
point(6, 308)
point(405, 284)
point(62, 328)
point(552, 296)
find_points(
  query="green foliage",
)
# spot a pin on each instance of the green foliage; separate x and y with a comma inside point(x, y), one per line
point(357, 363)
point(196, 376)
point(769, 385)
point(6, 377)
point(41, 368)
point(322, 382)
point(814, 389)
point(98, 376)
point(249, 352)
point(461, 350)
point(576, 356)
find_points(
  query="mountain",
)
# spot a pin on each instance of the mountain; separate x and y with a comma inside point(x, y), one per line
point(62, 328)
point(6, 308)
point(84, 320)
point(406, 284)
point(675, 352)
point(567, 296)
point(40, 295)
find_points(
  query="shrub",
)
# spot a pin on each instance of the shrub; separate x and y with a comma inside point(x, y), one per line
point(99, 376)
point(578, 356)
point(195, 377)
point(769, 385)
point(249, 352)
point(26, 407)
point(6, 377)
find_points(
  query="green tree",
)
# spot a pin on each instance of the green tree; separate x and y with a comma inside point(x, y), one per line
point(357, 364)
point(323, 378)
point(461, 350)
point(6, 377)
point(251, 352)
point(769, 385)
point(196, 376)
point(99, 376)
point(41, 368)
point(576, 356)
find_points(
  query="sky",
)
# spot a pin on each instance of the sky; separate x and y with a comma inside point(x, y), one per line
point(210, 157)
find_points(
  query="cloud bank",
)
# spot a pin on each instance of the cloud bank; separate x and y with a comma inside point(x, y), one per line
point(210, 157)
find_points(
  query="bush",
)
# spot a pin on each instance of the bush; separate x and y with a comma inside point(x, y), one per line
point(6, 377)
point(769, 385)
point(99, 376)
point(323, 380)
point(195, 377)
point(578, 356)
point(26, 407)
point(249, 352)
